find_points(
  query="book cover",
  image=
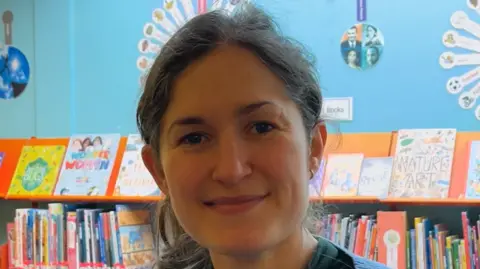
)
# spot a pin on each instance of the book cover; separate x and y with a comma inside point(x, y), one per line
point(392, 227)
point(342, 173)
point(375, 176)
point(37, 170)
point(423, 163)
point(88, 163)
point(315, 183)
point(134, 179)
point(473, 172)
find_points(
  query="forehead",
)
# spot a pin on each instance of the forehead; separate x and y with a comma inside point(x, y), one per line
point(226, 78)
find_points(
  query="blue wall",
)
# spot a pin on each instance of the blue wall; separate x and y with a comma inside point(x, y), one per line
point(85, 77)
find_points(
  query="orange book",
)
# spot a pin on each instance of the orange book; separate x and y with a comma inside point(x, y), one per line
point(360, 237)
point(391, 227)
point(4, 256)
point(460, 170)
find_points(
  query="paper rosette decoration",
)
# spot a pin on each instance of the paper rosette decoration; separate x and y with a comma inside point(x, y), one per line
point(166, 20)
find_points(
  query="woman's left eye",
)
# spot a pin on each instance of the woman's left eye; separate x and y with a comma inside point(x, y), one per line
point(262, 127)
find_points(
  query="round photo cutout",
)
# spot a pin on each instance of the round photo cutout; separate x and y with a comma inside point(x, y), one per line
point(361, 46)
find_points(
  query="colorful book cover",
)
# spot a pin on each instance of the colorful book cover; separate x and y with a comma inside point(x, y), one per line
point(473, 172)
point(342, 173)
point(392, 227)
point(315, 184)
point(37, 170)
point(134, 179)
point(136, 236)
point(375, 176)
point(423, 163)
point(88, 164)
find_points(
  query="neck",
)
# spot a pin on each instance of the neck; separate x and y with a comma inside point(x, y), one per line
point(294, 252)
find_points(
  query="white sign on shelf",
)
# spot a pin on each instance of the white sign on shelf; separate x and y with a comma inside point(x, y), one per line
point(338, 109)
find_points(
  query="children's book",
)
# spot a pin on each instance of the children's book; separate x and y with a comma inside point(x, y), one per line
point(136, 236)
point(88, 163)
point(473, 172)
point(342, 173)
point(423, 163)
point(375, 176)
point(134, 179)
point(315, 184)
point(37, 170)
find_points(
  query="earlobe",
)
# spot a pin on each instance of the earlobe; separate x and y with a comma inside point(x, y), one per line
point(153, 166)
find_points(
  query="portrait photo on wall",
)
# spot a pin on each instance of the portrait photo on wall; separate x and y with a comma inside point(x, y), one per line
point(361, 46)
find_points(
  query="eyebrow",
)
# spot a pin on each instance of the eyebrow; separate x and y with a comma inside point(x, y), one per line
point(192, 120)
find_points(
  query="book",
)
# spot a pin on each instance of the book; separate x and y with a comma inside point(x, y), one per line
point(88, 164)
point(134, 179)
point(375, 177)
point(37, 170)
point(423, 163)
point(342, 173)
point(473, 172)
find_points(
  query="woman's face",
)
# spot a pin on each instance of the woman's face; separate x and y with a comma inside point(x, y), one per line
point(234, 155)
point(370, 32)
point(352, 57)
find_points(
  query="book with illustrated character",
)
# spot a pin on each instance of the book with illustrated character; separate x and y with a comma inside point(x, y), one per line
point(88, 164)
point(342, 173)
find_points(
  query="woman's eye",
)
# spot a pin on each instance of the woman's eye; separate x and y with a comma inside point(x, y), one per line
point(192, 139)
point(262, 127)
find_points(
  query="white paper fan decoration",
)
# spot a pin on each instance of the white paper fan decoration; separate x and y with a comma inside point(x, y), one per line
point(461, 85)
point(166, 20)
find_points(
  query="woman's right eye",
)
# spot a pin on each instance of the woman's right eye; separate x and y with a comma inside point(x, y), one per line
point(192, 139)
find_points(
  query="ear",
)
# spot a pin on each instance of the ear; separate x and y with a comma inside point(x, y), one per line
point(319, 139)
point(153, 165)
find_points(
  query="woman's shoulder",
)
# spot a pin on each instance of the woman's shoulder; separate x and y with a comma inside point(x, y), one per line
point(362, 263)
point(330, 256)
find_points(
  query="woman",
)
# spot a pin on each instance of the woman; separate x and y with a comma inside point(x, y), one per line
point(372, 37)
point(352, 59)
point(230, 116)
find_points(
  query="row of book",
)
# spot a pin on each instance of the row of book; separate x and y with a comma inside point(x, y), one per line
point(84, 168)
point(71, 238)
point(387, 238)
point(420, 168)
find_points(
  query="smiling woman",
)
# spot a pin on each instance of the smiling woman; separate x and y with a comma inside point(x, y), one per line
point(231, 119)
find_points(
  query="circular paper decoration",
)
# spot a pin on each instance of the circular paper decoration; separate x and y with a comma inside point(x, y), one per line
point(166, 20)
point(464, 37)
point(14, 67)
point(361, 46)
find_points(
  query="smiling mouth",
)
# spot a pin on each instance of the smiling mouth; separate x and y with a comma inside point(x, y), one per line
point(235, 205)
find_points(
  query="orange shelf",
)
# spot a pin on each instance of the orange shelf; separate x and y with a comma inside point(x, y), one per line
point(84, 199)
point(346, 200)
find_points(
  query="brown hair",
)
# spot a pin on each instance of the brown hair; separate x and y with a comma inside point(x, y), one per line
point(248, 27)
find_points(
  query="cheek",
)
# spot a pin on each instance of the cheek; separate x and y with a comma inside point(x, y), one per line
point(284, 165)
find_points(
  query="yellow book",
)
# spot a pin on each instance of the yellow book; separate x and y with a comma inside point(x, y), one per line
point(37, 170)
point(462, 254)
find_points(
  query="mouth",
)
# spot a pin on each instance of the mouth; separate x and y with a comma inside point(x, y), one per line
point(236, 204)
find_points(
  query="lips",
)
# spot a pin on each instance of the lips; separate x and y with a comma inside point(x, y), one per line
point(235, 200)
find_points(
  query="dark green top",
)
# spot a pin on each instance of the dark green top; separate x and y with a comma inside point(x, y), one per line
point(329, 256)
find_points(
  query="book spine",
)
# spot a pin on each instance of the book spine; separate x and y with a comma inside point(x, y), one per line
point(72, 241)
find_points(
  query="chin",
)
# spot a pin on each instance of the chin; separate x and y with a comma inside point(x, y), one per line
point(246, 242)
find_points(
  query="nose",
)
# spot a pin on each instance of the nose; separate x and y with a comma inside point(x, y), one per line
point(232, 162)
